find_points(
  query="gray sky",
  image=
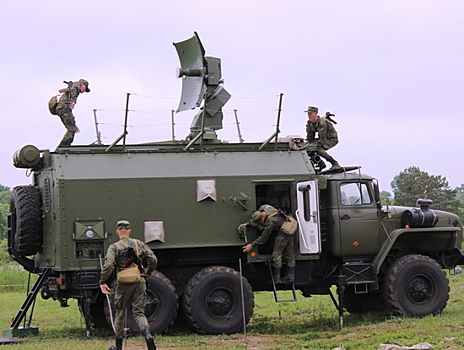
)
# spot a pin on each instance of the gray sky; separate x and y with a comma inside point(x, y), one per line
point(391, 71)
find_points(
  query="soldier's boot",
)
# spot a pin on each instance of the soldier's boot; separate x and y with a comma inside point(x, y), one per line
point(277, 275)
point(329, 158)
point(149, 339)
point(290, 276)
point(118, 345)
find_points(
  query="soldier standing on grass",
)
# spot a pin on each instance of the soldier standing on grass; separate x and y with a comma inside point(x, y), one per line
point(134, 293)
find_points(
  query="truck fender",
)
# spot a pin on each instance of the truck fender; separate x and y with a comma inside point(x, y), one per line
point(395, 234)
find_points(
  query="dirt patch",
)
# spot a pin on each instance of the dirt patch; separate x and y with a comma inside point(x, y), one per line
point(254, 342)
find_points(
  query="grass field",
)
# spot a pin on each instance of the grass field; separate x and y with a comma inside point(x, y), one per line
point(310, 323)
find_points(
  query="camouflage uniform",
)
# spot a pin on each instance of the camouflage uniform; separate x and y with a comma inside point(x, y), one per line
point(65, 113)
point(283, 245)
point(134, 293)
point(327, 139)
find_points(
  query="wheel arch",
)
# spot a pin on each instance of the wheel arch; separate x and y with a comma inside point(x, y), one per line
point(436, 244)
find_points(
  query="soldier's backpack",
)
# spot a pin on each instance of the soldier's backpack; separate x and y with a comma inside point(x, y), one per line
point(52, 104)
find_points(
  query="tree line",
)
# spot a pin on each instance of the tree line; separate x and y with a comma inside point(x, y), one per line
point(412, 184)
point(5, 194)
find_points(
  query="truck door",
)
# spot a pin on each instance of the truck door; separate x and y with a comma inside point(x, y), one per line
point(358, 219)
point(308, 217)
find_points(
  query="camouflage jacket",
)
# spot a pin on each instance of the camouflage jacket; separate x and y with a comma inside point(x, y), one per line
point(328, 136)
point(272, 223)
point(72, 95)
point(115, 258)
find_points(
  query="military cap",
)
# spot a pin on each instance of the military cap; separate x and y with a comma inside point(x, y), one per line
point(312, 109)
point(123, 225)
point(256, 218)
point(86, 83)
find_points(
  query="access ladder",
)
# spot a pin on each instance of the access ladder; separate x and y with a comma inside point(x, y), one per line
point(30, 298)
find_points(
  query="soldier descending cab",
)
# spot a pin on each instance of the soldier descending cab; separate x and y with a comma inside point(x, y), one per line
point(270, 219)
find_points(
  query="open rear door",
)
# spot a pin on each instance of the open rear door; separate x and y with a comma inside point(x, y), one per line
point(308, 217)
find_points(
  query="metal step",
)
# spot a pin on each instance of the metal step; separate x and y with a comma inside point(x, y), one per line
point(276, 297)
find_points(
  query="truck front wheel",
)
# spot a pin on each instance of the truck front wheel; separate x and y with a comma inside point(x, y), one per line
point(416, 286)
point(212, 301)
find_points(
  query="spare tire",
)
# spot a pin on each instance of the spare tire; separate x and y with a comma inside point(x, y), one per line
point(26, 220)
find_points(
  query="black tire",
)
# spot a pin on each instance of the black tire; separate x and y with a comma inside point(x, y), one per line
point(416, 286)
point(26, 220)
point(97, 313)
point(363, 303)
point(160, 305)
point(212, 301)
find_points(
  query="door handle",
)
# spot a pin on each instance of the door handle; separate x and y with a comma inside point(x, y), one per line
point(345, 217)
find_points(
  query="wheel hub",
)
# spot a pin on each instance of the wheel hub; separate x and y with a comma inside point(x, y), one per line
point(419, 289)
point(219, 302)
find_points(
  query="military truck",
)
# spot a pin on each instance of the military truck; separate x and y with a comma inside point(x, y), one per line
point(186, 198)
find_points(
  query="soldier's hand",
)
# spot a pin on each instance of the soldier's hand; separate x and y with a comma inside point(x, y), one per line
point(77, 129)
point(247, 248)
point(241, 225)
point(71, 105)
point(105, 289)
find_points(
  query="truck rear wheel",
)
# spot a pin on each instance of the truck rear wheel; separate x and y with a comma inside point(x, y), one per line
point(212, 301)
point(160, 305)
point(26, 220)
point(416, 286)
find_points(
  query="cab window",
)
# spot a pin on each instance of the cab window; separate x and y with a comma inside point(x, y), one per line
point(355, 193)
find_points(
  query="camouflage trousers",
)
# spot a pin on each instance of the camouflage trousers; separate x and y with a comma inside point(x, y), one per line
point(323, 146)
point(283, 248)
point(134, 293)
point(69, 122)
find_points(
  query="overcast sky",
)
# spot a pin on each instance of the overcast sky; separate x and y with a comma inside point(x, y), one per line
point(391, 71)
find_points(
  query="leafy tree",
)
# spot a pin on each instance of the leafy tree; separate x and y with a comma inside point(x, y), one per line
point(460, 190)
point(5, 195)
point(386, 198)
point(4, 209)
point(412, 184)
point(460, 197)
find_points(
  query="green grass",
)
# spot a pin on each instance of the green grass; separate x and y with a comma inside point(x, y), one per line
point(12, 279)
point(310, 323)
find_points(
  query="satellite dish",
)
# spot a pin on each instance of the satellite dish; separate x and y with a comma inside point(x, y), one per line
point(201, 80)
point(193, 70)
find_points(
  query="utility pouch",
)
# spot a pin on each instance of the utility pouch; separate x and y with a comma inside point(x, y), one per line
point(289, 226)
point(129, 274)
